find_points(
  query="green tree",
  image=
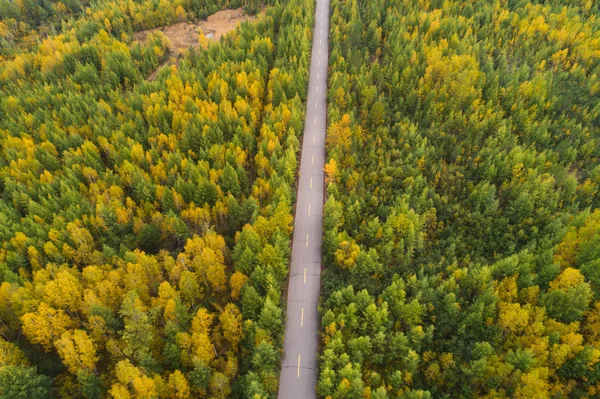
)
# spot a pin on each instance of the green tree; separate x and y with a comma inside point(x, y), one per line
point(19, 382)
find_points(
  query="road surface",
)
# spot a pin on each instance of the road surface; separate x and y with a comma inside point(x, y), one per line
point(298, 379)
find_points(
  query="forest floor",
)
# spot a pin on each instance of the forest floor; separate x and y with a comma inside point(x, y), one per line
point(182, 35)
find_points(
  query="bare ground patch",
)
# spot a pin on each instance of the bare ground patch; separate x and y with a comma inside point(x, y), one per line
point(222, 22)
point(185, 34)
point(181, 35)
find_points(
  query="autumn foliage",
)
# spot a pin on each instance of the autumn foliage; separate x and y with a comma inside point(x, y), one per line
point(461, 229)
point(145, 226)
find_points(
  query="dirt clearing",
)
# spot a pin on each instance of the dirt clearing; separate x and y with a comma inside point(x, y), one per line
point(185, 34)
point(223, 22)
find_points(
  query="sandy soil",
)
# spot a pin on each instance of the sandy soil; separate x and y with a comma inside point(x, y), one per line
point(185, 34)
point(222, 22)
point(181, 35)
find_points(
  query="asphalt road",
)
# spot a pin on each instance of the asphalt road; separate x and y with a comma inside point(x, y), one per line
point(298, 379)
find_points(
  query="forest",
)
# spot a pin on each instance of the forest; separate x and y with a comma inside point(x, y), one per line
point(145, 225)
point(462, 236)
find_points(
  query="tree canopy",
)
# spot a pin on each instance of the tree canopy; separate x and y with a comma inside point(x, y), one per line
point(145, 225)
point(461, 219)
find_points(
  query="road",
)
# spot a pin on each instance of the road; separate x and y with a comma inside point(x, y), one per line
point(298, 378)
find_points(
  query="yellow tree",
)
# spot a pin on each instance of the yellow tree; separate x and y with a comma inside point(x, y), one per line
point(346, 254)
point(84, 252)
point(512, 317)
point(331, 171)
point(206, 256)
point(45, 326)
point(339, 135)
point(534, 385)
point(220, 386)
point(11, 355)
point(196, 345)
point(212, 268)
point(77, 351)
point(237, 282)
point(202, 322)
point(132, 383)
point(9, 303)
point(195, 348)
point(231, 324)
point(189, 289)
point(64, 290)
point(178, 387)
